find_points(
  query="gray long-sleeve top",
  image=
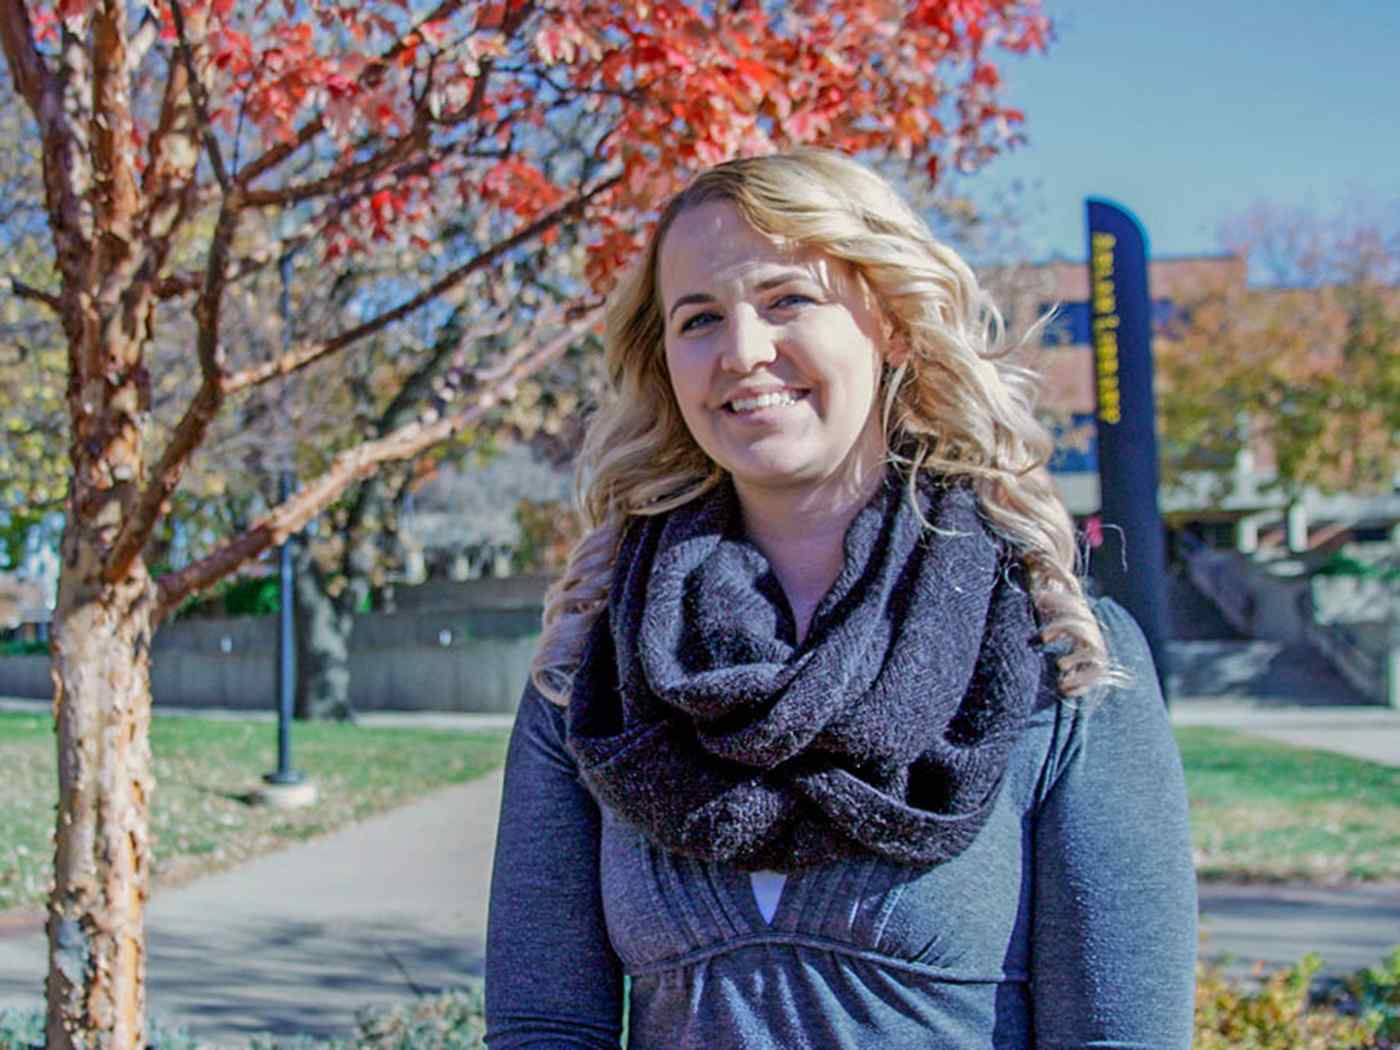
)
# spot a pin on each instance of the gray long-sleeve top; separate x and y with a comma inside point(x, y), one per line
point(1069, 923)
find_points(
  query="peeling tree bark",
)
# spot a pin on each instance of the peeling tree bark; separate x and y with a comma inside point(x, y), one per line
point(97, 965)
point(102, 627)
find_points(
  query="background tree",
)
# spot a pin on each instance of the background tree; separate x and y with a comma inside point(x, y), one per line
point(187, 146)
point(359, 541)
point(32, 432)
point(1301, 367)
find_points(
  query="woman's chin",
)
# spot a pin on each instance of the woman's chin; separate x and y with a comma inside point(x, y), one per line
point(783, 476)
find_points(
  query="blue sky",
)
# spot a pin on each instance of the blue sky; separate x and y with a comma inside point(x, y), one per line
point(1189, 111)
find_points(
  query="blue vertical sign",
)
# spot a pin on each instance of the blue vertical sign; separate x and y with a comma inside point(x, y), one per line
point(1130, 565)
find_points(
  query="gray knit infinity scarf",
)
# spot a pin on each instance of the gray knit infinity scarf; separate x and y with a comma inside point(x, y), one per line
point(697, 717)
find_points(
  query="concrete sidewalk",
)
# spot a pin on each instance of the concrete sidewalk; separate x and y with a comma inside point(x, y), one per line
point(296, 941)
point(1372, 733)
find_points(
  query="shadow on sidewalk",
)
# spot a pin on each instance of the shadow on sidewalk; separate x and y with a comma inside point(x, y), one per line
point(299, 978)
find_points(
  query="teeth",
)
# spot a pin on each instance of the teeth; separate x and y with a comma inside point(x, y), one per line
point(749, 404)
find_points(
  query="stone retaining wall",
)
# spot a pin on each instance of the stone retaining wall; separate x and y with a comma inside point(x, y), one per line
point(474, 658)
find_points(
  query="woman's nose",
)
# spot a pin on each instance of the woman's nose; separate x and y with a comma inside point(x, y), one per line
point(749, 343)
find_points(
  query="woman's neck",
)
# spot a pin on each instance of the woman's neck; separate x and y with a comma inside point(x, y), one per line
point(803, 537)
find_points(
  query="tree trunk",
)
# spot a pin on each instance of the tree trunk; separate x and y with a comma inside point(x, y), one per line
point(323, 627)
point(102, 705)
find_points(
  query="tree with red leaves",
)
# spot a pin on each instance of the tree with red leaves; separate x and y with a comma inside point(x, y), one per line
point(187, 145)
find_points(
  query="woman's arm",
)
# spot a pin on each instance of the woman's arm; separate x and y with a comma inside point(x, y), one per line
point(1114, 926)
point(552, 979)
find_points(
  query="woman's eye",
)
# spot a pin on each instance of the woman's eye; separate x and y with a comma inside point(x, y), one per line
point(695, 321)
point(790, 299)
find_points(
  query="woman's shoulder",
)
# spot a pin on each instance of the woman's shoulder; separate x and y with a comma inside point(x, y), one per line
point(1121, 721)
point(540, 730)
point(1134, 691)
point(1127, 646)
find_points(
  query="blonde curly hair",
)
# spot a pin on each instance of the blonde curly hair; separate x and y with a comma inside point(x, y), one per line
point(955, 406)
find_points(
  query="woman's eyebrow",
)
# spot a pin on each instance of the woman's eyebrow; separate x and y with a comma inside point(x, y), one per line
point(764, 285)
point(686, 300)
point(784, 277)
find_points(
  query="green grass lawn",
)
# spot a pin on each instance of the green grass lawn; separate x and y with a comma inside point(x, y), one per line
point(1263, 810)
point(205, 769)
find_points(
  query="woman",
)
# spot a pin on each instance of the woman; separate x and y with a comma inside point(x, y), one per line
point(824, 745)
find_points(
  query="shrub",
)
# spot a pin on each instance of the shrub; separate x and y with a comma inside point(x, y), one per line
point(20, 1030)
point(451, 1021)
point(1376, 992)
point(1277, 1015)
point(24, 1030)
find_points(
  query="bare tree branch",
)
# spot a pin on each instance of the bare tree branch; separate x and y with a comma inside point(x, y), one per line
point(307, 355)
point(167, 164)
point(64, 166)
point(199, 414)
point(25, 291)
point(115, 194)
point(488, 387)
point(27, 67)
point(145, 38)
point(197, 99)
point(190, 431)
point(183, 284)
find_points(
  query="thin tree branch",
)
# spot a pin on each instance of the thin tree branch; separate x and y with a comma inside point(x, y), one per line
point(488, 388)
point(338, 180)
point(367, 169)
point(27, 66)
point(372, 71)
point(114, 182)
point(190, 431)
point(183, 284)
point(64, 165)
point(414, 392)
point(145, 37)
point(163, 165)
point(306, 355)
point(25, 291)
point(197, 99)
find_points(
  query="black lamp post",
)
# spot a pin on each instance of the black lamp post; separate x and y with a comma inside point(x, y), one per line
point(286, 645)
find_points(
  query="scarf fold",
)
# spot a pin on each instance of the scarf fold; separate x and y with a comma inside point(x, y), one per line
point(698, 718)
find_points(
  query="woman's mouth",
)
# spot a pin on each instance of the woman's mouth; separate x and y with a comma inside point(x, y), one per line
point(771, 399)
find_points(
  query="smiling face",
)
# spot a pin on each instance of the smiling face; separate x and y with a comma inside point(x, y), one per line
point(774, 356)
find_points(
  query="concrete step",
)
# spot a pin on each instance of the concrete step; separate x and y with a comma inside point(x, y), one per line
point(1193, 616)
point(1260, 672)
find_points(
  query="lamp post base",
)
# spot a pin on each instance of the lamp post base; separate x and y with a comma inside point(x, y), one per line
point(293, 795)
